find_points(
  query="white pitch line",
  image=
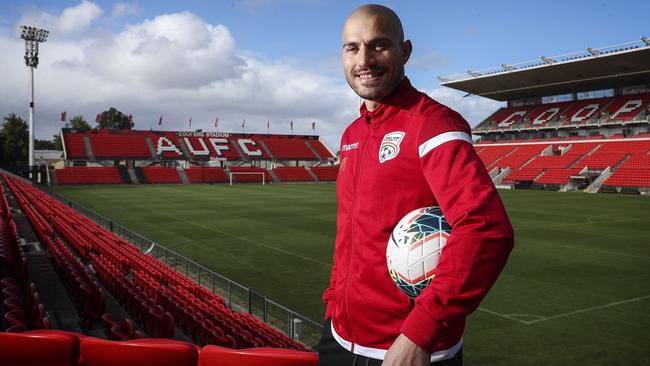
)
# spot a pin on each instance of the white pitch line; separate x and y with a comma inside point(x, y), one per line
point(540, 318)
point(236, 237)
point(506, 316)
point(611, 304)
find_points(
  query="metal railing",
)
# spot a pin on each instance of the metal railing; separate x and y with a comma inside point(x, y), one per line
point(238, 297)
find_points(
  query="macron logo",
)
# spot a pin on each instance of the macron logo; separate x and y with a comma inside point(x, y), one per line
point(348, 147)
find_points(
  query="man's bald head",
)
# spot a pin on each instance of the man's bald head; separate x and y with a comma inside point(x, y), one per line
point(386, 16)
point(374, 52)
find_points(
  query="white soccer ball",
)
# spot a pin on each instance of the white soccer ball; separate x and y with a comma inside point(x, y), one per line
point(414, 249)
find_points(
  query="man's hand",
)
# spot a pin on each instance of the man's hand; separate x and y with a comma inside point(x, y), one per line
point(404, 352)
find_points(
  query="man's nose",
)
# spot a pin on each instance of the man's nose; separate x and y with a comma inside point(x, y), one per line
point(366, 57)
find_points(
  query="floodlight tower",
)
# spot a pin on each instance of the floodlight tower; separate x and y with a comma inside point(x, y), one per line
point(32, 36)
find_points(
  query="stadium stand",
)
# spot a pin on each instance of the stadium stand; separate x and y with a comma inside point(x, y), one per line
point(289, 148)
point(88, 175)
point(566, 126)
point(206, 175)
point(155, 295)
point(161, 174)
point(61, 348)
point(326, 173)
point(293, 174)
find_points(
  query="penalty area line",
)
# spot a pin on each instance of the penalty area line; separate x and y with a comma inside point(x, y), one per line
point(585, 310)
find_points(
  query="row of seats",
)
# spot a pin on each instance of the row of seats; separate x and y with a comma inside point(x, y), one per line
point(88, 175)
point(142, 145)
point(148, 287)
point(610, 110)
point(206, 175)
point(293, 174)
point(161, 174)
point(21, 306)
point(61, 348)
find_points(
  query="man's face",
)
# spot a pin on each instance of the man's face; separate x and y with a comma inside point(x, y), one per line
point(373, 56)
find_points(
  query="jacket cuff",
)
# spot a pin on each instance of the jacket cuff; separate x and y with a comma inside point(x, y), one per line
point(422, 329)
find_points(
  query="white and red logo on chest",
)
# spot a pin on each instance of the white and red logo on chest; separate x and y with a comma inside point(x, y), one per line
point(389, 147)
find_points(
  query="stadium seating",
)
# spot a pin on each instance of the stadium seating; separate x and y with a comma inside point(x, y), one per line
point(161, 174)
point(206, 175)
point(320, 149)
point(293, 174)
point(107, 144)
point(88, 175)
point(63, 348)
point(599, 111)
point(74, 145)
point(326, 173)
point(155, 295)
point(634, 172)
point(289, 148)
point(138, 145)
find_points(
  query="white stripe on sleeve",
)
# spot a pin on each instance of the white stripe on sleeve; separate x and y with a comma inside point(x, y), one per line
point(438, 140)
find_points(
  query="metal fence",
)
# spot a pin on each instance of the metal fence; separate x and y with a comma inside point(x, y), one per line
point(238, 297)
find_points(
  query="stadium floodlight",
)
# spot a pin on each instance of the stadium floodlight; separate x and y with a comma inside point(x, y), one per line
point(32, 36)
point(645, 40)
point(593, 51)
point(508, 67)
point(547, 60)
point(474, 73)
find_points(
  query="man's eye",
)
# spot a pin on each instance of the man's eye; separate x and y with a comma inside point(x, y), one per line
point(351, 49)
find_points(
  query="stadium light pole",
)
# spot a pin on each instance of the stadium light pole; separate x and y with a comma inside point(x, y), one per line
point(32, 36)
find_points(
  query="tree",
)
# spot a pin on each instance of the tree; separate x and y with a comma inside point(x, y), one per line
point(44, 145)
point(78, 123)
point(13, 141)
point(114, 120)
point(58, 144)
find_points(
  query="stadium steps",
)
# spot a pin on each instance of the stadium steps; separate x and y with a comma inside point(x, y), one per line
point(89, 148)
point(183, 176)
point(268, 151)
point(313, 175)
point(133, 177)
point(598, 182)
point(124, 174)
point(237, 148)
point(313, 151)
point(274, 176)
point(152, 149)
point(139, 175)
point(180, 142)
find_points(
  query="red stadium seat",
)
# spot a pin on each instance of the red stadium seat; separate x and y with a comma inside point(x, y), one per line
point(39, 349)
point(159, 352)
point(220, 356)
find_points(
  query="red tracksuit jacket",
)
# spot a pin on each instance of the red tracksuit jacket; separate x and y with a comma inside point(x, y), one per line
point(411, 152)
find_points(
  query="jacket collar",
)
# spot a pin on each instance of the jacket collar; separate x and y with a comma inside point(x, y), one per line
point(399, 98)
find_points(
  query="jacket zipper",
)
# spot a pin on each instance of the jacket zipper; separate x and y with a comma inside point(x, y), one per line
point(354, 214)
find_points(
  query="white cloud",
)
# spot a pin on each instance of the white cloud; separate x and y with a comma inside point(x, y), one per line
point(72, 19)
point(176, 65)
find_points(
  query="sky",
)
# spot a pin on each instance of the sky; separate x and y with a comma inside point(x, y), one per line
point(271, 60)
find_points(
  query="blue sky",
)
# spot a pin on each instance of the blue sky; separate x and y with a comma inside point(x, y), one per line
point(274, 59)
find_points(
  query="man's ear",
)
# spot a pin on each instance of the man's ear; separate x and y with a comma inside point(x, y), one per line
point(407, 48)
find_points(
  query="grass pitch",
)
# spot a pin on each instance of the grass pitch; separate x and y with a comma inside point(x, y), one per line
point(576, 289)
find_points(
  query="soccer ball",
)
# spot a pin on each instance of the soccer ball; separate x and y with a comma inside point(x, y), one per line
point(414, 249)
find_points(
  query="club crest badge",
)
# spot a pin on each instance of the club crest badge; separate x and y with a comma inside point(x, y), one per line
point(389, 147)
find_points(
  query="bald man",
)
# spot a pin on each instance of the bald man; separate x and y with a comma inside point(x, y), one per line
point(404, 152)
